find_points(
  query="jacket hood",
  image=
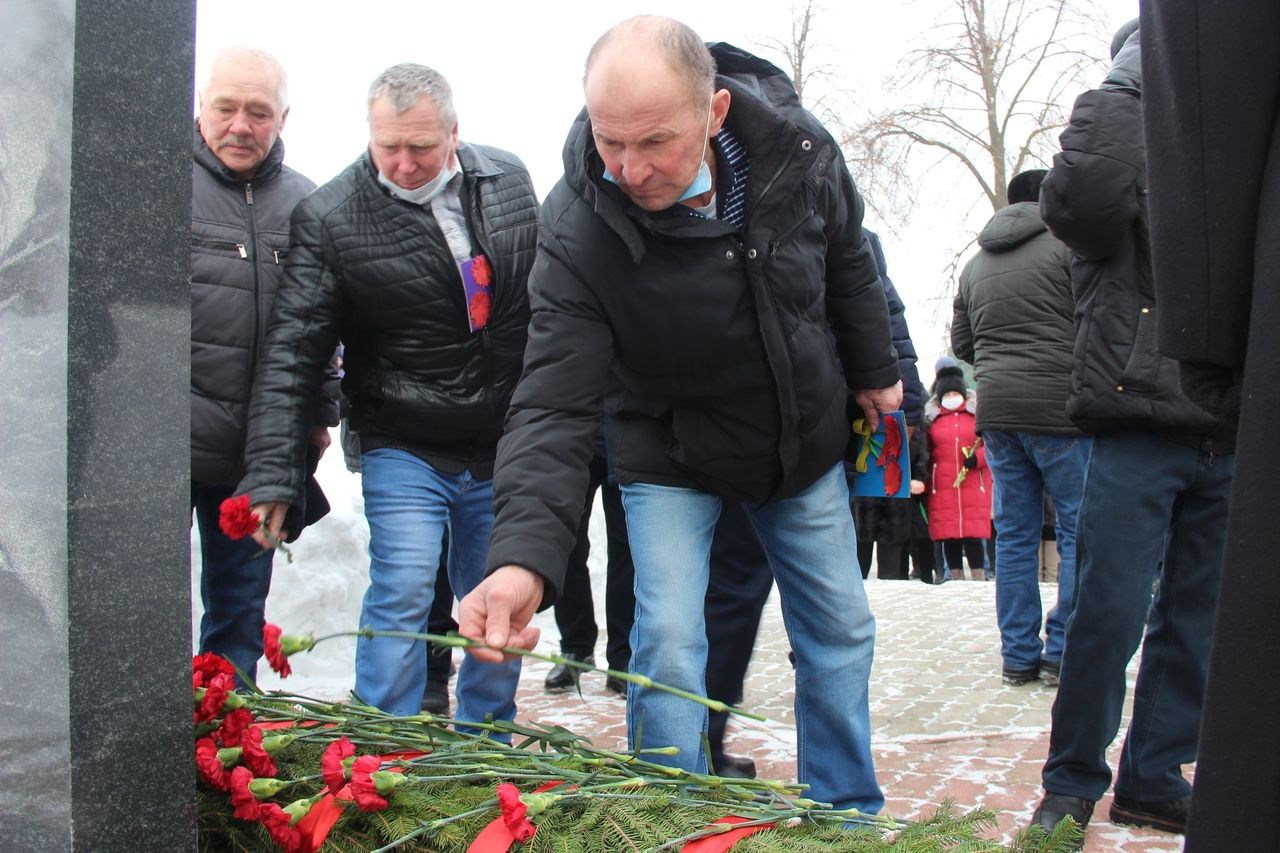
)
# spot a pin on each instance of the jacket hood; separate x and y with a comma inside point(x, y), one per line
point(268, 169)
point(1011, 227)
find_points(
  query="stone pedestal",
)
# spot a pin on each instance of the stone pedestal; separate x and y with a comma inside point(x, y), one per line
point(95, 184)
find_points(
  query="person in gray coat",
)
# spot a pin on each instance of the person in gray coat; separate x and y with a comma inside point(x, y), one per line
point(1013, 321)
point(242, 195)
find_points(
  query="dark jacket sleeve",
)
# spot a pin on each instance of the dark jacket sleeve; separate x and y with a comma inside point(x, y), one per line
point(857, 310)
point(913, 395)
point(542, 468)
point(301, 338)
point(961, 327)
point(1090, 199)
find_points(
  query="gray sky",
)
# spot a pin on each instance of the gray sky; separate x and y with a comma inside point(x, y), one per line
point(516, 70)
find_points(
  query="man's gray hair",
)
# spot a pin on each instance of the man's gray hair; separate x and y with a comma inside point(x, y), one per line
point(405, 83)
point(682, 48)
point(247, 54)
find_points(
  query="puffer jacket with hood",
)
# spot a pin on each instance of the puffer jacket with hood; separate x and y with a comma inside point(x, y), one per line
point(1095, 201)
point(723, 377)
point(1012, 321)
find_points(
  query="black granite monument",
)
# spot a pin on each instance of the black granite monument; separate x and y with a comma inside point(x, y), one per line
point(95, 637)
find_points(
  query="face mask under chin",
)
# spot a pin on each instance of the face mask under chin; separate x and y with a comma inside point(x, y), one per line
point(423, 194)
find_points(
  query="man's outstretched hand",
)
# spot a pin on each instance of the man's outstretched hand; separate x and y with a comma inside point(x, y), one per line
point(497, 612)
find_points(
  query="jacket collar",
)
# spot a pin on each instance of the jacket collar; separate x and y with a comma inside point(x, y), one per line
point(267, 170)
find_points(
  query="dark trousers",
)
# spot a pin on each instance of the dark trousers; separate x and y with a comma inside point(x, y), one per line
point(235, 577)
point(921, 552)
point(956, 550)
point(891, 560)
point(440, 619)
point(1151, 510)
point(737, 589)
point(575, 611)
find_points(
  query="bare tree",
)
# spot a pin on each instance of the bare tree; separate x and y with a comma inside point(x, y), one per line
point(808, 76)
point(994, 81)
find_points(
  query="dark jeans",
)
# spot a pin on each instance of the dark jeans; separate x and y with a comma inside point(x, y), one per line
point(235, 576)
point(737, 589)
point(575, 611)
point(1151, 509)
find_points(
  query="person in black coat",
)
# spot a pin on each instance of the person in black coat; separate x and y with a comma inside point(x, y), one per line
point(242, 195)
point(1156, 493)
point(705, 238)
point(1213, 82)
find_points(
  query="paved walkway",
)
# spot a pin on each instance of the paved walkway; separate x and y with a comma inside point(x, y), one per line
point(943, 723)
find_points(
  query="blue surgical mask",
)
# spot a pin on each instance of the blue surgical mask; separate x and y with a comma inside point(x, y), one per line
point(423, 194)
point(701, 181)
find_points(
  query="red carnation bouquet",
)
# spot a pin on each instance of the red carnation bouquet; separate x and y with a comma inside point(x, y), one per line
point(237, 520)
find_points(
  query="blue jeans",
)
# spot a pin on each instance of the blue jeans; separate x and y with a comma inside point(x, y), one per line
point(1024, 466)
point(811, 546)
point(409, 504)
point(1152, 509)
point(235, 576)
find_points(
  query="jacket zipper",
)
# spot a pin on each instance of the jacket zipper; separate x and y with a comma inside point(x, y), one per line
point(247, 252)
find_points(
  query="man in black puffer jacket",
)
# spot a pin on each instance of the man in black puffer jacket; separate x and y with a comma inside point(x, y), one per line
point(416, 258)
point(1156, 494)
point(699, 252)
point(241, 197)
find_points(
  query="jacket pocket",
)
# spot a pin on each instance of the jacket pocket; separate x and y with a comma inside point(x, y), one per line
point(1142, 369)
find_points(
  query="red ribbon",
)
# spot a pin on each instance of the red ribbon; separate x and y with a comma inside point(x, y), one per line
point(316, 824)
point(723, 841)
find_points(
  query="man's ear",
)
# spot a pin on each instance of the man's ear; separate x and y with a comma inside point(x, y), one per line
point(719, 109)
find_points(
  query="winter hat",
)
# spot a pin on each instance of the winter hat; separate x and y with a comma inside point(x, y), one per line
point(949, 379)
point(944, 361)
point(1122, 36)
point(1025, 186)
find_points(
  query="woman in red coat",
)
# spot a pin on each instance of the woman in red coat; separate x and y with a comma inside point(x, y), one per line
point(959, 488)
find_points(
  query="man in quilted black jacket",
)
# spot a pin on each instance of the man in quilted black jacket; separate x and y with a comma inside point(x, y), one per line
point(415, 257)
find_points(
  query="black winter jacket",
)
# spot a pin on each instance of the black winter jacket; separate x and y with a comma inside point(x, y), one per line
point(376, 273)
point(1095, 201)
point(1012, 322)
point(723, 376)
point(913, 393)
point(239, 242)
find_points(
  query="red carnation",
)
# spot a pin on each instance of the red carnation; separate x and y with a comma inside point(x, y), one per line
point(243, 802)
point(215, 696)
point(254, 756)
point(481, 271)
point(332, 769)
point(271, 648)
point(479, 308)
point(236, 519)
point(280, 825)
point(362, 786)
point(206, 666)
point(515, 814)
point(209, 765)
point(233, 727)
